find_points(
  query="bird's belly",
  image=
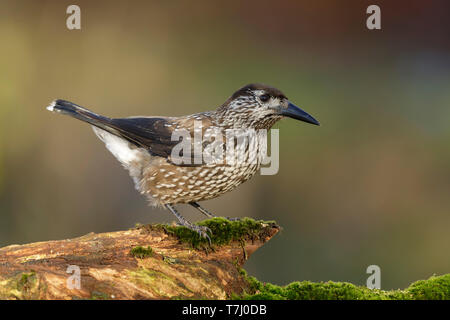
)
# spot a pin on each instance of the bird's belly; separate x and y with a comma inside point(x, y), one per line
point(174, 184)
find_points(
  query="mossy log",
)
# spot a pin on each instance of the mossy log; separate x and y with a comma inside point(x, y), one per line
point(434, 288)
point(168, 262)
point(147, 262)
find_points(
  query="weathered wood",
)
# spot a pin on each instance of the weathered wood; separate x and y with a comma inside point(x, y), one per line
point(147, 262)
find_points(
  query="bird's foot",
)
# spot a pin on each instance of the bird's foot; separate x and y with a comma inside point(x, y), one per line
point(202, 231)
point(233, 219)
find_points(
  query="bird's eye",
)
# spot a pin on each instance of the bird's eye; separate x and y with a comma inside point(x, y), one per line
point(264, 98)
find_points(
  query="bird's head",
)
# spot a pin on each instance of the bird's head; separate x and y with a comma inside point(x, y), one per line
point(259, 106)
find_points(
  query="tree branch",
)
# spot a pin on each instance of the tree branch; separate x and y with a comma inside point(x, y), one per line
point(147, 262)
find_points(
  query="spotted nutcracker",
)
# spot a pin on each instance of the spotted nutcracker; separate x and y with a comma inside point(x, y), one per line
point(144, 146)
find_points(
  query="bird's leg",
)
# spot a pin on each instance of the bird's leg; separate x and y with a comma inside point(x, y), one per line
point(207, 213)
point(201, 230)
point(202, 210)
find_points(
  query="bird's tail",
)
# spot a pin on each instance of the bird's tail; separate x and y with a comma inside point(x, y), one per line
point(83, 114)
point(118, 127)
point(78, 112)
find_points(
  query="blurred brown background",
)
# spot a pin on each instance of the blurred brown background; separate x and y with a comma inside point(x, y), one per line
point(370, 186)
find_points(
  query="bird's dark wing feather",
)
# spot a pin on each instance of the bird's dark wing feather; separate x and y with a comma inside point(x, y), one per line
point(150, 133)
point(155, 135)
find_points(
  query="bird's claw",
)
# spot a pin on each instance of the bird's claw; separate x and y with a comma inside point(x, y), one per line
point(202, 231)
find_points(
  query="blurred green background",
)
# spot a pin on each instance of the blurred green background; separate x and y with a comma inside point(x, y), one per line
point(370, 186)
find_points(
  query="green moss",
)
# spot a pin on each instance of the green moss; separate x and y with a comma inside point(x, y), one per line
point(223, 231)
point(24, 285)
point(170, 260)
point(141, 252)
point(97, 295)
point(158, 282)
point(26, 281)
point(435, 288)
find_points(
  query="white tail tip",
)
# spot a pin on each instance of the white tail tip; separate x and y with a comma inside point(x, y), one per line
point(51, 106)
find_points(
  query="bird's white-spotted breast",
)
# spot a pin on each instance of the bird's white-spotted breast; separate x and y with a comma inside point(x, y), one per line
point(165, 182)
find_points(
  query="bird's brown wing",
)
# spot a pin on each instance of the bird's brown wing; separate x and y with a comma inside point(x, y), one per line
point(150, 133)
point(155, 134)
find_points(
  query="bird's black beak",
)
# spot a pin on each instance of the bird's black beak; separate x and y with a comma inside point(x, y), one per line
point(292, 111)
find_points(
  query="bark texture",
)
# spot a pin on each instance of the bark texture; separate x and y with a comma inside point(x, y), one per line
point(147, 262)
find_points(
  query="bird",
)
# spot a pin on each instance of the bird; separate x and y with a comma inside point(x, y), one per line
point(145, 146)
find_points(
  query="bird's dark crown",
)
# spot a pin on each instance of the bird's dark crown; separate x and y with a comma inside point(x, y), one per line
point(248, 89)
